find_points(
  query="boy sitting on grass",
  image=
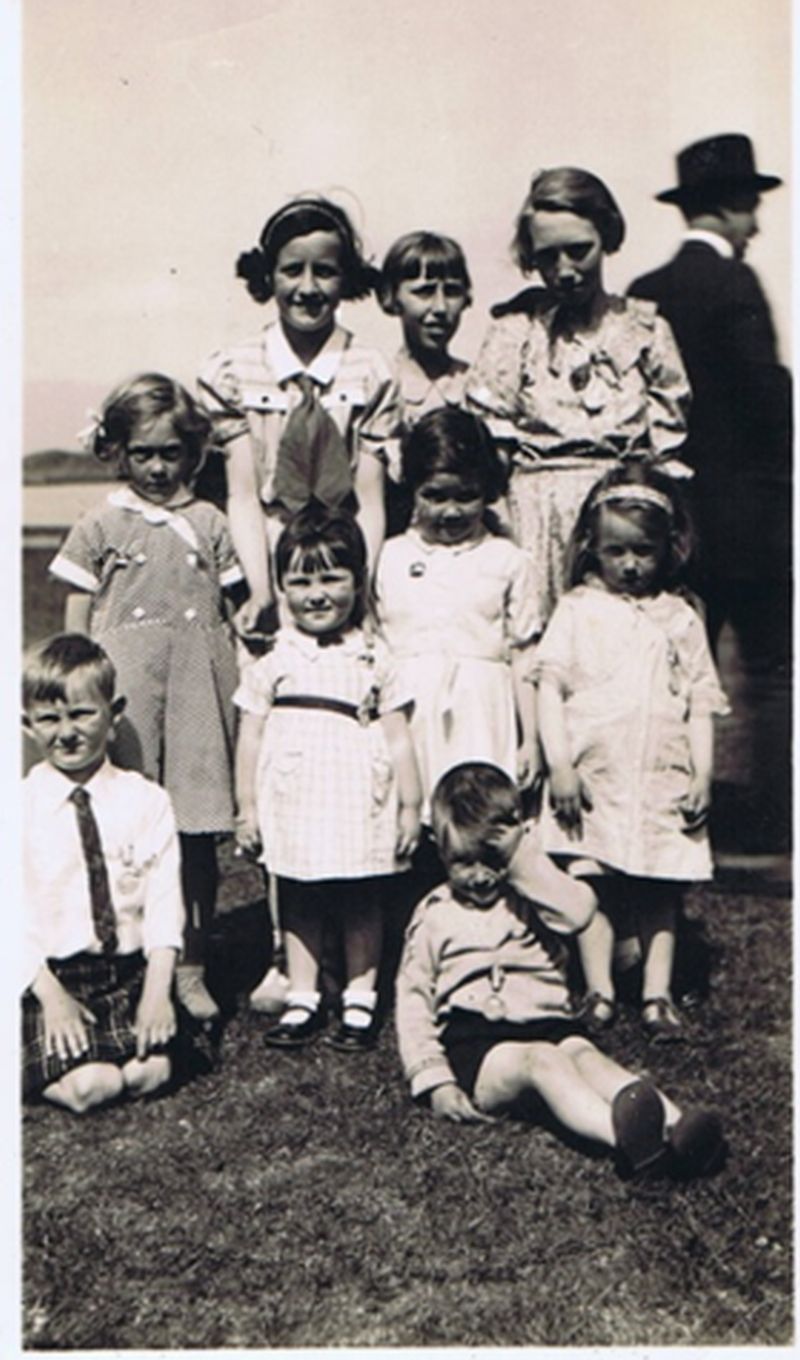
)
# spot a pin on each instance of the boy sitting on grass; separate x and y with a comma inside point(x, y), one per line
point(483, 1008)
point(104, 913)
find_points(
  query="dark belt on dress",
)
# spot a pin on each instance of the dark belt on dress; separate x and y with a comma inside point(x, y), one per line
point(315, 701)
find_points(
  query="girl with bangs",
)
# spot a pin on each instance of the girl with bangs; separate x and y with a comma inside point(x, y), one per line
point(327, 784)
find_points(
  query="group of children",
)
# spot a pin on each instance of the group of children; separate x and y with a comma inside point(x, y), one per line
point(353, 658)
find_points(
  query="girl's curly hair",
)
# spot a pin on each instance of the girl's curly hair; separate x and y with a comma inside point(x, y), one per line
point(144, 398)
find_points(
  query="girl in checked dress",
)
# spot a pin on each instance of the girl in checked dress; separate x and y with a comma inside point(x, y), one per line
point(326, 777)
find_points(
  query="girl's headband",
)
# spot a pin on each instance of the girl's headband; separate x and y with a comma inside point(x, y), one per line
point(339, 223)
point(636, 495)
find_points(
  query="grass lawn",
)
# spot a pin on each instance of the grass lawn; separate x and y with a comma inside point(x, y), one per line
point(301, 1199)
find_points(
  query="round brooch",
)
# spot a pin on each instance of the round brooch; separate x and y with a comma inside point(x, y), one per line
point(417, 569)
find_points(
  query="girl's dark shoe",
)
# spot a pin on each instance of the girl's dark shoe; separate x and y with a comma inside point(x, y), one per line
point(638, 1118)
point(697, 1144)
point(350, 1039)
point(296, 1036)
point(661, 1022)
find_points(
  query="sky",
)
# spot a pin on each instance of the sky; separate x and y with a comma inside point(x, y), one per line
point(157, 139)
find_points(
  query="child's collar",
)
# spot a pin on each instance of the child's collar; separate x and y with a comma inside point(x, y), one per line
point(126, 498)
point(430, 548)
point(414, 383)
point(285, 363)
point(347, 644)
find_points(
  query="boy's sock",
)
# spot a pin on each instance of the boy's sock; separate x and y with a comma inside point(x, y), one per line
point(299, 1006)
point(358, 1007)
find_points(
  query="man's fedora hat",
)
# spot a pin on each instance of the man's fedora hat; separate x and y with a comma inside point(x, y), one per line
point(725, 163)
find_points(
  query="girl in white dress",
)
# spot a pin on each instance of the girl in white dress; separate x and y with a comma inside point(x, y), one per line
point(456, 604)
point(627, 689)
point(326, 781)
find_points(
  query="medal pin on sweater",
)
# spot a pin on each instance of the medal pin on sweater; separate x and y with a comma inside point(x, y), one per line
point(494, 1007)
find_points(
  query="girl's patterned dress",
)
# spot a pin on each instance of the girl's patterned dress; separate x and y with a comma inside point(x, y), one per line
point(327, 801)
point(632, 672)
point(156, 575)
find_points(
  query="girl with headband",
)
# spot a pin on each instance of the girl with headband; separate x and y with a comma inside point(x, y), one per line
point(627, 690)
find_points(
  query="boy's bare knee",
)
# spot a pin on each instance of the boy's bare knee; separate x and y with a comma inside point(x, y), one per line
point(541, 1060)
point(576, 1046)
point(142, 1076)
point(85, 1087)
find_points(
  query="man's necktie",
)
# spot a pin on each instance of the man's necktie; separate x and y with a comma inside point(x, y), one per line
point(312, 460)
point(99, 886)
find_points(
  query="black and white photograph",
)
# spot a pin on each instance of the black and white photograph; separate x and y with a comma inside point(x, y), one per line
point(404, 661)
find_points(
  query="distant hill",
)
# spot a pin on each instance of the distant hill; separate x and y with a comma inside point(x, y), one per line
point(58, 465)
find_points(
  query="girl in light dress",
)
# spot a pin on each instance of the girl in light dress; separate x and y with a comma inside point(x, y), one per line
point(151, 567)
point(455, 600)
point(424, 282)
point(327, 784)
point(570, 377)
point(626, 693)
point(302, 409)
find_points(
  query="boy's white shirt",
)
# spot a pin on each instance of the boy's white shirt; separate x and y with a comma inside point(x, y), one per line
point(140, 846)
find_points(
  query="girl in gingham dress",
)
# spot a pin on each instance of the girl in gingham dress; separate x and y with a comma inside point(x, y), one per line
point(152, 566)
point(326, 777)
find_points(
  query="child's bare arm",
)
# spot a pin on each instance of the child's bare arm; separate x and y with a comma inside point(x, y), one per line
point(78, 612)
point(528, 761)
point(248, 745)
point(701, 747)
point(155, 1016)
point(568, 794)
point(409, 792)
point(65, 1018)
point(369, 488)
point(248, 531)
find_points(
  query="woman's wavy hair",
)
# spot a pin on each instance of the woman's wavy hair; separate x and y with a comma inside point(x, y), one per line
point(144, 398)
point(451, 440)
point(421, 254)
point(567, 189)
point(660, 511)
point(299, 217)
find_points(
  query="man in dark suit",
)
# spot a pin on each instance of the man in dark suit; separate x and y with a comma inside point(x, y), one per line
point(739, 444)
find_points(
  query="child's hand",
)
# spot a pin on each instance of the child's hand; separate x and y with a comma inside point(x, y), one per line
point(247, 617)
point(695, 806)
point(450, 1102)
point(248, 836)
point(155, 1022)
point(528, 765)
point(65, 1021)
point(408, 829)
point(569, 796)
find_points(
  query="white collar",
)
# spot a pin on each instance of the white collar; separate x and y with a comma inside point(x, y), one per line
point(351, 643)
point(710, 238)
point(126, 499)
point(56, 788)
point(414, 381)
point(285, 363)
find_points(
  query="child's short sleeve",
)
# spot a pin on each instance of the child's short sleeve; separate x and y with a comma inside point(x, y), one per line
point(256, 689)
point(706, 696)
point(523, 618)
point(391, 693)
point(227, 563)
point(379, 425)
point(80, 558)
point(220, 395)
point(555, 653)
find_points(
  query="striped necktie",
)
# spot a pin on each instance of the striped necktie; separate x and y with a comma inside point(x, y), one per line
point(103, 917)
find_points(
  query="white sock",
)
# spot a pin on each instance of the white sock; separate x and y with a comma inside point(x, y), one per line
point(358, 1007)
point(299, 1005)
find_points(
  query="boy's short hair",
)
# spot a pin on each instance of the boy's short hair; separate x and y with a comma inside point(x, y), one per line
point(48, 665)
point(471, 801)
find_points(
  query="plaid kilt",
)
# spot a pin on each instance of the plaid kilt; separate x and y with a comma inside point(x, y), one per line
point(111, 988)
